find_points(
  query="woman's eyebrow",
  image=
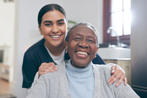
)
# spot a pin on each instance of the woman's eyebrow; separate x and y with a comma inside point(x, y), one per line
point(47, 21)
point(60, 20)
point(51, 21)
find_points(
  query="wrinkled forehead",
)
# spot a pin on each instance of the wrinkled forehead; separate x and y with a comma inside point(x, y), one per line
point(83, 28)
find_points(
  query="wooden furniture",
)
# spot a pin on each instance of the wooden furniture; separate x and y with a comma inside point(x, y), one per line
point(4, 71)
point(125, 64)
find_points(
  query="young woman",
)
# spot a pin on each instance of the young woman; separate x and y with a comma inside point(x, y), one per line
point(42, 57)
point(79, 77)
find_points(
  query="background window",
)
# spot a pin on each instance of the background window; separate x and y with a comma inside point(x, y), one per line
point(117, 14)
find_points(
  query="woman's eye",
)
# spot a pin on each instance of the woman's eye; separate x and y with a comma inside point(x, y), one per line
point(60, 23)
point(48, 24)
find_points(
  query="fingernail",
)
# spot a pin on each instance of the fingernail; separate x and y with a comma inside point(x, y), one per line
point(112, 70)
point(116, 85)
point(56, 68)
point(108, 80)
point(110, 83)
point(52, 70)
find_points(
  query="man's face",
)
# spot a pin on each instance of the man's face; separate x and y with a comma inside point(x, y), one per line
point(82, 46)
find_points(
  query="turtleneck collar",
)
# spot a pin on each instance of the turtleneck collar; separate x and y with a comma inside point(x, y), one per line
point(79, 73)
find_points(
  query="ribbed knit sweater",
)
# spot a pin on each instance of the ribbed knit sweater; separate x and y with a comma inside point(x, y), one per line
point(55, 85)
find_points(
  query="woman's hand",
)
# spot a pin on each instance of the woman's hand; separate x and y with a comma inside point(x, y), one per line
point(117, 74)
point(47, 67)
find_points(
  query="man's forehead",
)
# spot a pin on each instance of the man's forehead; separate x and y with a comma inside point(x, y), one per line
point(80, 27)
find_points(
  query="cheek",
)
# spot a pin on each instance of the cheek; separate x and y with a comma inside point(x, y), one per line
point(63, 28)
point(93, 50)
point(46, 30)
point(72, 45)
point(71, 48)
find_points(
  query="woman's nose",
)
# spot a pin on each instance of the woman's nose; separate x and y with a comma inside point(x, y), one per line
point(55, 29)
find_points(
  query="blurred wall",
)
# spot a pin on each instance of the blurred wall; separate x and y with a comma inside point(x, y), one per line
point(86, 11)
point(7, 15)
point(27, 33)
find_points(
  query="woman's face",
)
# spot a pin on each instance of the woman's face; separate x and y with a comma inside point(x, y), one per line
point(81, 46)
point(53, 28)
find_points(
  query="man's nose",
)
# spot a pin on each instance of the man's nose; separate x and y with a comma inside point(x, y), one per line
point(83, 44)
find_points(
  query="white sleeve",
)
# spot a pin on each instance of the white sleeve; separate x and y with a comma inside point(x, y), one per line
point(34, 82)
point(112, 64)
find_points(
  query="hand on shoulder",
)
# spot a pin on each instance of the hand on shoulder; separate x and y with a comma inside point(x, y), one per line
point(47, 67)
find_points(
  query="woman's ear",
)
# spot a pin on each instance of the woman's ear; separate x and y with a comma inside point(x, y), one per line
point(40, 30)
point(66, 48)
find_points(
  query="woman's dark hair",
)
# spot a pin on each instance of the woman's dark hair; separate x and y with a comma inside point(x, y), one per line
point(49, 7)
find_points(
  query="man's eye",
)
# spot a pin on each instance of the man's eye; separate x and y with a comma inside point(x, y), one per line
point(89, 40)
point(77, 38)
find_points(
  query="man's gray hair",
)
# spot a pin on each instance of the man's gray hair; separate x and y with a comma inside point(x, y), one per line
point(85, 24)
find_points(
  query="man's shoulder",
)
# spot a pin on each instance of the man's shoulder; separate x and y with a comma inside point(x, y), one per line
point(56, 74)
point(104, 68)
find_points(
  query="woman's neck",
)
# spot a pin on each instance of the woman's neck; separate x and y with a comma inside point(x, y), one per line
point(56, 50)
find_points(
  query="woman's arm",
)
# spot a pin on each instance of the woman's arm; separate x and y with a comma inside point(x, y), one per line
point(30, 68)
point(117, 72)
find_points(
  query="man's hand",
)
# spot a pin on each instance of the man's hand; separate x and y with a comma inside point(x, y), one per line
point(117, 74)
point(47, 67)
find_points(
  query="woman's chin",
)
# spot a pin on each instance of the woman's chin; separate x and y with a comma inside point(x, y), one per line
point(56, 44)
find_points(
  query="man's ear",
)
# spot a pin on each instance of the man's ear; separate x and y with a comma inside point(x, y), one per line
point(40, 30)
point(66, 48)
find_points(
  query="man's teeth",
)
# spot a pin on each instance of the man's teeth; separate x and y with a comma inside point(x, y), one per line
point(55, 36)
point(84, 53)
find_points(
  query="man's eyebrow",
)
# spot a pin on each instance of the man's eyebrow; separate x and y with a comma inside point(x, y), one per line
point(47, 21)
point(60, 20)
point(91, 36)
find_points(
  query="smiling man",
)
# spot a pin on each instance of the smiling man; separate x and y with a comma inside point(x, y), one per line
point(82, 45)
point(79, 77)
